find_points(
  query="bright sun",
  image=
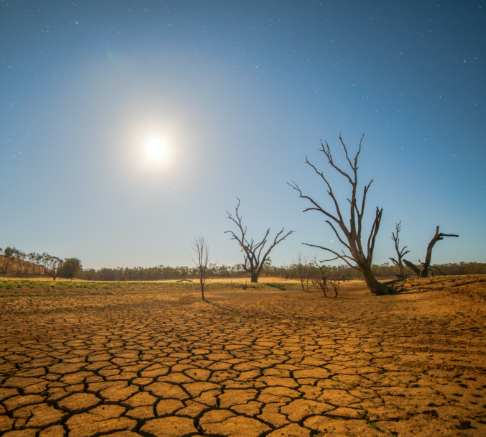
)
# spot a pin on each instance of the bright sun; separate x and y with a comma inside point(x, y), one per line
point(155, 148)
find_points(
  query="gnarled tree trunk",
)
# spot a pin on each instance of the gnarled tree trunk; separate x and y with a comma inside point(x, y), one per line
point(375, 287)
point(426, 266)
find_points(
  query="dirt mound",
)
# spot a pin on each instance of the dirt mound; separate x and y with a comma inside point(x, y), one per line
point(471, 286)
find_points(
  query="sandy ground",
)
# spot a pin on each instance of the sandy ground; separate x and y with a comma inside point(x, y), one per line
point(155, 360)
point(210, 280)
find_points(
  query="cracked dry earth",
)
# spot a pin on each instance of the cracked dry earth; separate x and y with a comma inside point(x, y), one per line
point(297, 364)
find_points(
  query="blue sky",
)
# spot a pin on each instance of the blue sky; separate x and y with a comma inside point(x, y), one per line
point(240, 93)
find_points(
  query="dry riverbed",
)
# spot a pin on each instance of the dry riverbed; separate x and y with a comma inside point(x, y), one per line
point(88, 359)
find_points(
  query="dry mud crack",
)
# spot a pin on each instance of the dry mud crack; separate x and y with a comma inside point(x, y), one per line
point(296, 364)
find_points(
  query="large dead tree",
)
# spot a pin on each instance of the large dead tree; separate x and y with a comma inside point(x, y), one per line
point(355, 257)
point(426, 266)
point(400, 252)
point(253, 251)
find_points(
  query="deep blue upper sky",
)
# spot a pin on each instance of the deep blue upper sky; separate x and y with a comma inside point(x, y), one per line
point(241, 92)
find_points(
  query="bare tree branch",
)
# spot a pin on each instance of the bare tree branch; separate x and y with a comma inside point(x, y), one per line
point(327, 152)
point(394, 261)
point(344, 257)
point(440, 271)
point(337, 235)
point(412, 267)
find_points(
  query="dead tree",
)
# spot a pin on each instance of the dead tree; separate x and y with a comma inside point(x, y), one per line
point(55, 264)
point(426, 266)
point(335, 286)
point(412, 267)
point(356, 257)
point(201, 250)
point(253, 251)
point(320, 283)
point(302, 267)
point(400, 253)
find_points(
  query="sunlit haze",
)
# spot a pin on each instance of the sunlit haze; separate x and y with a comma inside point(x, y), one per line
point(129, 128)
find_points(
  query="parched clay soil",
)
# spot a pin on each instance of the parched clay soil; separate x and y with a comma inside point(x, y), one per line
point(144, 361)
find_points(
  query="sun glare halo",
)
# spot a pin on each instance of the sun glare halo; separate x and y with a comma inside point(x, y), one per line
point(155, 148)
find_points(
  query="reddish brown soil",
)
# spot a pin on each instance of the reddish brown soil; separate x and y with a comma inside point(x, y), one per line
point(166, 364)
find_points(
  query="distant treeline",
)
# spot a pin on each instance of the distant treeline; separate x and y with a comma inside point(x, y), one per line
point(294, 271)
point(16, 262)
